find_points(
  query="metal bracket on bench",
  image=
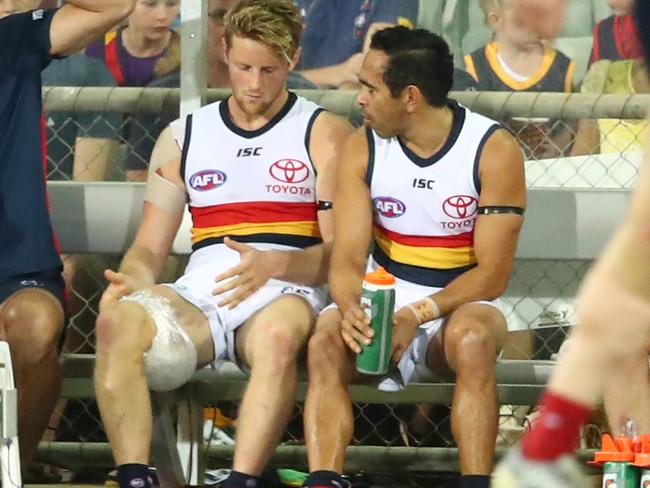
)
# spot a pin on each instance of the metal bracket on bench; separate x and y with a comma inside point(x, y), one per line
point(9, 450)
point(176, 446)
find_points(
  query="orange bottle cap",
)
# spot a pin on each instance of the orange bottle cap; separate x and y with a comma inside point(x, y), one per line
point(619, 449)
point(642, 458)
point(380, 277)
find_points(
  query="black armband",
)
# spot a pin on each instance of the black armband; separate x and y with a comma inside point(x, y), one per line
point(498, 209)
point(324, 205)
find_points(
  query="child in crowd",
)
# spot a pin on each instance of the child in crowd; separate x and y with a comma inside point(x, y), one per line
point(146, 48)
point(517, 59)
point(616, 37)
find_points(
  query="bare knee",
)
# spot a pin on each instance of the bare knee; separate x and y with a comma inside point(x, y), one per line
point(278, 347)
point(471, 349)
point(33, 323)
point(326, 355)
point(124, 327)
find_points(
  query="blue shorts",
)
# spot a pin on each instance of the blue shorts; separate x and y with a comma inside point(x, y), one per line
point(50, 280)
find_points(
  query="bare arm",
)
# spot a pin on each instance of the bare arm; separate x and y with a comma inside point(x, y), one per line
point(92, 156)
point(79, 22)
point(353, 232)
point(372, 30)
point(501, 171)
point(587, 140)
point(145, 258)
point(344, 75)
point(626, 258)
point(352, 223)
point(336, 75)
point(328, 135)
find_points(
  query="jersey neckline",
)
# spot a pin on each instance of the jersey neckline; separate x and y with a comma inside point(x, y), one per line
point(249, 134)
point(456, 127)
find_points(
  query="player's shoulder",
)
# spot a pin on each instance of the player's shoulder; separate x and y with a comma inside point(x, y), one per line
point(501, 145)
point(327, 124)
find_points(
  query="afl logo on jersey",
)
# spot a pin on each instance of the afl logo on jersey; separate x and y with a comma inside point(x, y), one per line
point(208, 179)
point(289, 171)
point(460, 207)
point(389, 207)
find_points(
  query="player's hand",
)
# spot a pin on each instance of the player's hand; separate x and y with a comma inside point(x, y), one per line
point(119, 285)
point(405, 326)
point(355, 328)
point(254, 269)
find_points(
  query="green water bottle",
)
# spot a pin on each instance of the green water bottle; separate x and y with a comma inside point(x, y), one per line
point(617, 474)
point(378, 300)
point(645, 478)
point(617, 455)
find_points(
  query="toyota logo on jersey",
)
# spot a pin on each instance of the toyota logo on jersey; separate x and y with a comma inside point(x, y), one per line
point(289, 171)
point(389, 207)
point(460, 207)
point(208, 179)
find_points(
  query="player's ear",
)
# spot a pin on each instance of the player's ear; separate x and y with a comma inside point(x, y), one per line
point(295, 59)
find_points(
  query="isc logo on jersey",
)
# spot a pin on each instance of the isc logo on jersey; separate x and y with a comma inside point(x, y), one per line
point(208, 179)
point(389, 207)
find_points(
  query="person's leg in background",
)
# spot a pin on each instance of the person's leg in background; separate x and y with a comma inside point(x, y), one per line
point(613, 328)
point(32, 321)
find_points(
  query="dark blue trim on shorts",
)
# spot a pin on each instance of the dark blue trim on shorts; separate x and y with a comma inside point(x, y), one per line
point(50, 280)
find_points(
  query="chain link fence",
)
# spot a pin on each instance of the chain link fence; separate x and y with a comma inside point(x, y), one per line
point(570, 141)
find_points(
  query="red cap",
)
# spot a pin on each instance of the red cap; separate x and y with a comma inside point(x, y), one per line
point(380, 277)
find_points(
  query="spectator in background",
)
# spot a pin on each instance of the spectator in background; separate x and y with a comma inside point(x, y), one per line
point(31, 287)
point(146, 48)
point(337, 32)
point(604, 136)
point(463, 81)
point(79, 144)
point(146, 127)
point(616, 37)
point(517, 59)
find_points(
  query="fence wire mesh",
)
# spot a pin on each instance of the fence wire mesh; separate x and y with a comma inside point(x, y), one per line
point(94, 138)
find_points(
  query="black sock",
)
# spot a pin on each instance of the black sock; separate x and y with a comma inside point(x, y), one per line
point(329, 479)
point(241, 480)
point(475, 481)
point(133, 475)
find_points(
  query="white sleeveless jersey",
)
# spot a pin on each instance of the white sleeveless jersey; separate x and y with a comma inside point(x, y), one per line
point(425, 209)
point(254, 186)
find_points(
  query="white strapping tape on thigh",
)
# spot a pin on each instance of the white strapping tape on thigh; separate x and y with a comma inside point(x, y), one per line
point(171, 360)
